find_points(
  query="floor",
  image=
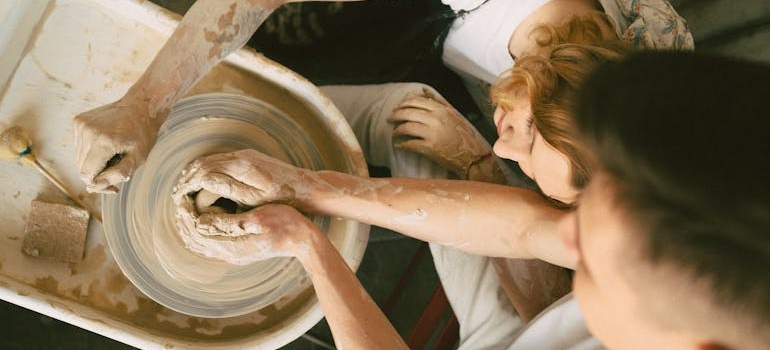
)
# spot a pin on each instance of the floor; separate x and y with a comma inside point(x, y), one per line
point(323, 49)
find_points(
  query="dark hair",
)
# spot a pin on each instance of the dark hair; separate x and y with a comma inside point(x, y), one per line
point(685, 138)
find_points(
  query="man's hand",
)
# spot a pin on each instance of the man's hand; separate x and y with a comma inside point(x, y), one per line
point(253, 227)
point(111, 142)
point(430, 126)
point(248, 178)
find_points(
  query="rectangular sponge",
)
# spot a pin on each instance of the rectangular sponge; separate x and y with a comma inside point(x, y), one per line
point(55, 232)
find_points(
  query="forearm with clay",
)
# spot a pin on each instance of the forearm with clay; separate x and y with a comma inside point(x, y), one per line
point(480, 218)
point(354, 318)
point(475, 217)
point(275, 230)
point(113, 140)
point(209, 31)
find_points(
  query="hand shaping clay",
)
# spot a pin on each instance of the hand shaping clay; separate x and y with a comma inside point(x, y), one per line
point(205, 203)
point(203, 238)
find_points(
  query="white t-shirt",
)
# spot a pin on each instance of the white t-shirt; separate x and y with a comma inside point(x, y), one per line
point(476, 47)
point(477, 43)
point(559, 327)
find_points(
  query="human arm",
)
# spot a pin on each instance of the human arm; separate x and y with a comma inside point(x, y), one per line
point(427, 124)
point(274, 230)
point(112, 141)
point(478, 218)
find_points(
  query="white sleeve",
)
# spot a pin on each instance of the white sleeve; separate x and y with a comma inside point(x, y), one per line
point(559, 327)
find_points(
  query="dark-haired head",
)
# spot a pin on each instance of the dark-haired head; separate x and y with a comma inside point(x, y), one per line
point(683, 139)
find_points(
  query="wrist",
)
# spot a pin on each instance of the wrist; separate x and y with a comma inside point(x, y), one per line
point(143, 108)
point(318, 185)
point(308, 245)
point(152, 99)
point(485, 169)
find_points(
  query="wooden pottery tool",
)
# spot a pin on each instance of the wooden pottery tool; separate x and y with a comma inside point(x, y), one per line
point(15, 145)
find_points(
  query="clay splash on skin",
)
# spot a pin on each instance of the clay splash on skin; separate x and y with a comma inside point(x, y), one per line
point(224, 23)
point(233, 242)
point(148, 314)
point(202, 233)
point(194, 276)
point(416, 217)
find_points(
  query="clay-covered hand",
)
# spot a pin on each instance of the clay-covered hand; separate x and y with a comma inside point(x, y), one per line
point(269, 231)
point(430, 126)
point(246, 177)
point(111, 142)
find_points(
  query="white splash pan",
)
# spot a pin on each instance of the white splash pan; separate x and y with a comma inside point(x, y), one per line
point(60, 58)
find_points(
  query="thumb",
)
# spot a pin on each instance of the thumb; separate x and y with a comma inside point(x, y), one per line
point(112, 175)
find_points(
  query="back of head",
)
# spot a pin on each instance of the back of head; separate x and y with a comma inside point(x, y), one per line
point(685, 138)
point(589, 28)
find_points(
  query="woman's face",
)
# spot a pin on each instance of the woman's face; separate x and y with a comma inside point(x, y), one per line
point(519, 141)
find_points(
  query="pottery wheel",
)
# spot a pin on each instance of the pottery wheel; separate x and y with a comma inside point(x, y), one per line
point(140, 223)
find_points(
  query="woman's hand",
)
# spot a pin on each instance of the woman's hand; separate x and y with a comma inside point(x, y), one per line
point(430, 126)
point(112, 141)
point(268, 231)
point(276, 230)
point(256, 227)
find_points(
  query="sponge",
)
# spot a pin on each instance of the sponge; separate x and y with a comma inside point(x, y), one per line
point(55, 232)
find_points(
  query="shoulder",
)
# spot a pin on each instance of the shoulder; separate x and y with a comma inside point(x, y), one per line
point(653, 24)
point(564, 315)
